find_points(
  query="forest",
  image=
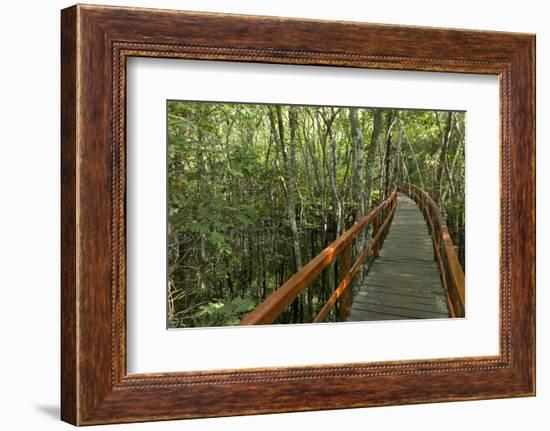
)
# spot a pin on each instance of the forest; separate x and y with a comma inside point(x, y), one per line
point(256, 191)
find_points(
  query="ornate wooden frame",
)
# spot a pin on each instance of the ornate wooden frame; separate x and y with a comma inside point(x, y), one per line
point(95, 42)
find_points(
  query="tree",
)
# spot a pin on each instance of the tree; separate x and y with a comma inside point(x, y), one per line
point(446, 135)
point(373, 147)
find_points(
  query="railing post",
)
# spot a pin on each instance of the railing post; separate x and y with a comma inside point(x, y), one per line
point(393, 207)
point(386, 217)
point(437, 242)
point(345, 300)
point(375, 226)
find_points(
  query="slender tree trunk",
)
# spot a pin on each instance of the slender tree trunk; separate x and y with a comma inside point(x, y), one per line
point(371, 155)
point(418, 170)
point(398, 165)
point(292, 192)
point(336, 204)
point(358, 180)
point(289, 161)
point(387, 156)
point(358, 193)
point(451, 173)
point(291, 169)
point(443, 156)
point(331, 170)
point(405, 171)
point(264, 274)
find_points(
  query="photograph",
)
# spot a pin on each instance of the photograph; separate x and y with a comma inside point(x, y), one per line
point(290, 214)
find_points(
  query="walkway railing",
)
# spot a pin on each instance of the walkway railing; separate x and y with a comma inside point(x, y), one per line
point(451, 272)
point(380, 218)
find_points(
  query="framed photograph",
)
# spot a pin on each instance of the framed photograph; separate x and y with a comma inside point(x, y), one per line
point(264, 215)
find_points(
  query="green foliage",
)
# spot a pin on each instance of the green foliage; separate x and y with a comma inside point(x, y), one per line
point(223, 312)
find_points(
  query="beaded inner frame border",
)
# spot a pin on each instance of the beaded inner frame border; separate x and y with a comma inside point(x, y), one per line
point(122, 50)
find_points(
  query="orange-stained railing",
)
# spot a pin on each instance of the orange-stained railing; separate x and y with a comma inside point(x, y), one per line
point(380, 218)
point(451, 272)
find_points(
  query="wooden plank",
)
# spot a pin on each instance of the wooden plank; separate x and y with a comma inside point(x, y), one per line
point(407, 313)
point(402, 291)
point(403, 302)
point(435, 303)
point(356, 316)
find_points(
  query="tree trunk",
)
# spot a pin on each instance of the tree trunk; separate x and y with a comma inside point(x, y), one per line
point(443, 155)
point(336, 204)
point(373, 146)
point(387, 157)
point(451, 173)
point(358, 180)
point(418, 170)
point(398, 166)
point(291, 169)
point(358, 192)
point(289, 161)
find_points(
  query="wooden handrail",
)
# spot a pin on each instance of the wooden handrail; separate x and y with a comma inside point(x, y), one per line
point(452, 274)
point(275, 304)
point(346, 281)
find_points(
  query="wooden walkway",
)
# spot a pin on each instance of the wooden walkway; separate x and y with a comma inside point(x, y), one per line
point(404, 282)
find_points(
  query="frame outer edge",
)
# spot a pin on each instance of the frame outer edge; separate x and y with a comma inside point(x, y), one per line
point(528, 60)
point(532, 78)
point(523, 217)
point(88, 397)
point(533, 54)
point(69, 201)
